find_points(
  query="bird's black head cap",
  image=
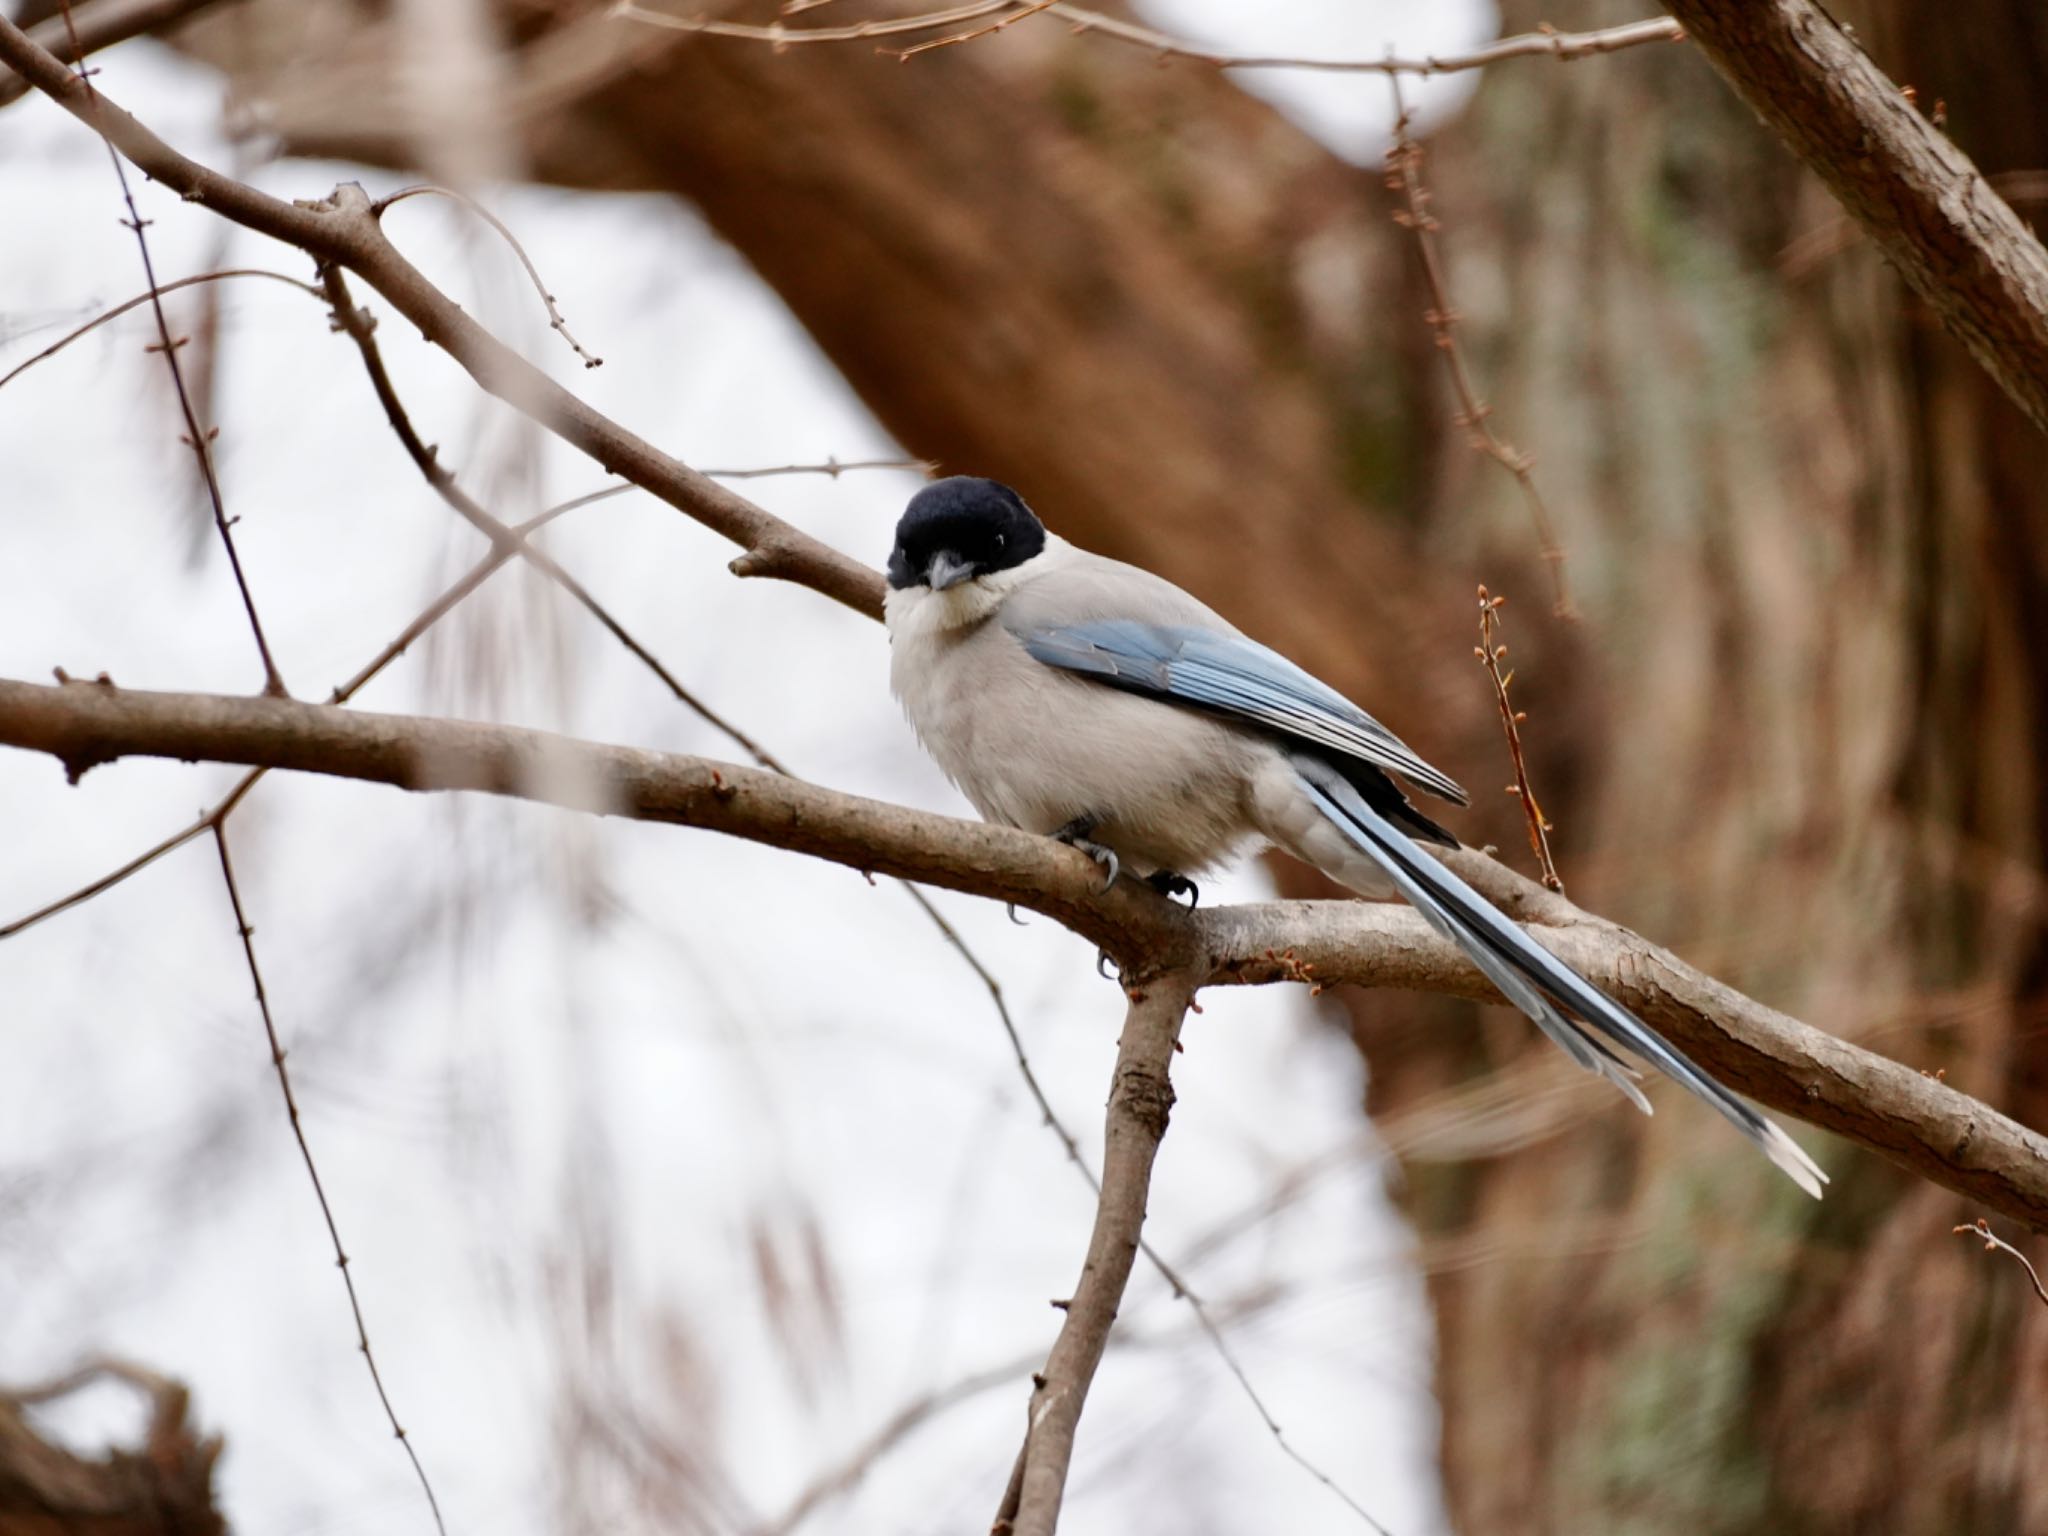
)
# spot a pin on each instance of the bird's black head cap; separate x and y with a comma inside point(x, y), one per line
point(959, 528)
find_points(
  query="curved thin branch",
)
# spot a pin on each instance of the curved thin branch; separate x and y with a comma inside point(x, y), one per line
point(462, 199)
point(1922, 1125)
point(143, 298)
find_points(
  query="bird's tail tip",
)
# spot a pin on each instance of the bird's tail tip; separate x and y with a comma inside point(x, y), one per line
point(1792, 1158)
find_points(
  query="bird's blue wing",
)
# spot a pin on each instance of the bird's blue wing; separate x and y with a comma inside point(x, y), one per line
point(1234, 676)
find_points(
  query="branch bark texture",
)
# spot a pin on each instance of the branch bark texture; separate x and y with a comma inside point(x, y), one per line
point(1919, 1123)
point(1914, 193)
point(1140, 1102)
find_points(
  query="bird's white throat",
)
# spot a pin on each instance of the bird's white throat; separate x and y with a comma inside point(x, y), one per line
point(917, 611)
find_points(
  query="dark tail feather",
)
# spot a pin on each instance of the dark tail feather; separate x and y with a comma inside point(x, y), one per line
point(1532, 978)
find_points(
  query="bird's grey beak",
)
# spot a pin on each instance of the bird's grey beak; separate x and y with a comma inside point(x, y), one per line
point(947, 570)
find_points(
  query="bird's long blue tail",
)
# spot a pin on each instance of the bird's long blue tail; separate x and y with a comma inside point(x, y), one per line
point(1529, 976)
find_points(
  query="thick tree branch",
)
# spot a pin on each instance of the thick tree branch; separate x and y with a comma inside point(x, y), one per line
point(1917, 195)
point(1923, 1125)
point(1140, 1100)
point(343, 228)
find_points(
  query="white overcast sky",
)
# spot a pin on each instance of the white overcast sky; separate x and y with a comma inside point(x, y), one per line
point(564, 1079)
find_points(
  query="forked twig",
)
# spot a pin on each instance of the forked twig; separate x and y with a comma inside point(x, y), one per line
point(1491, 654)
point(1992, 1242)
point(1404, 175)
point(555, 321)
point(1181, 1289)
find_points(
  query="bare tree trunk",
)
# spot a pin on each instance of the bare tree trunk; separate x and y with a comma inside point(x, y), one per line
point(1798, 736)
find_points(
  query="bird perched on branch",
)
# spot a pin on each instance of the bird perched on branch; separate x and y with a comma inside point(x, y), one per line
point(1093, 702)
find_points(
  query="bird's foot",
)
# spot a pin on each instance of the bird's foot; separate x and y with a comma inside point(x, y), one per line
point(1102, 965)
point(1075, 835)
point(1169, 884)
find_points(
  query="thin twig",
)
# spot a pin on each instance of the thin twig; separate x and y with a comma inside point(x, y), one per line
point(143, 298)
point(291, 1106)
point(1031, 8)
point(142, 861)
point(831, 467)
point(197, 437)
point(846, 1474)
point(1491, 655)
point(555, 321)
point(1992, 1241)
point(1546, 43)
point(1404, 175)
point(779, 36)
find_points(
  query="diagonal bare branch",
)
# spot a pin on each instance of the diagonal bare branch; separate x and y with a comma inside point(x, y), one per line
point(343, 228)
point(1919, 197)
point(198, 437)
point(247, 935)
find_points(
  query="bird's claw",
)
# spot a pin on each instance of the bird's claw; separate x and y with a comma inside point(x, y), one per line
point(1102, 965)
point(1170, 885)
point(1106, 857)
point(1011, 908)
point(1075, 835)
